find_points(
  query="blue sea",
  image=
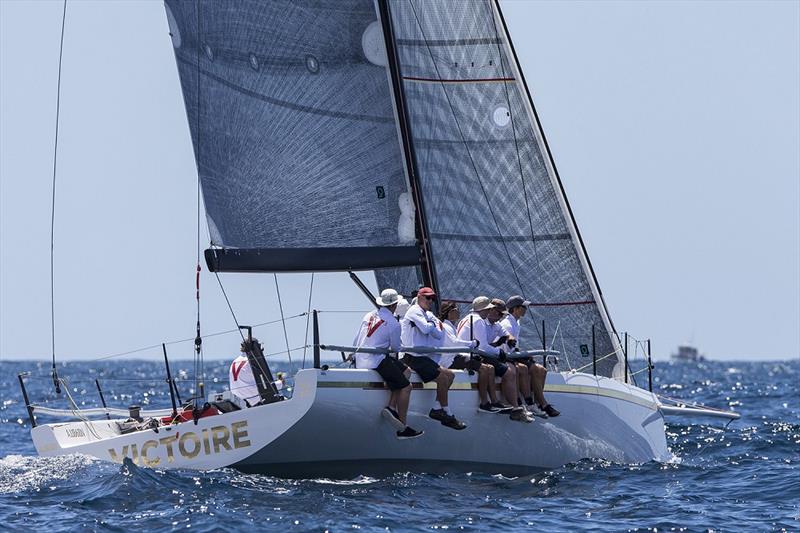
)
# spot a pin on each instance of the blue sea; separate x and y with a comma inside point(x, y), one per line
point(745, 477)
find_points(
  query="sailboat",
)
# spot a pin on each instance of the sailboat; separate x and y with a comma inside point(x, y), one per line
point(400, 137)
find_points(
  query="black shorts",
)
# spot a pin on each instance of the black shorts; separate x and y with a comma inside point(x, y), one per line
point(462, 362)
point(499, 368)
point(427, 368)
point(459, 363)
point(392, 371)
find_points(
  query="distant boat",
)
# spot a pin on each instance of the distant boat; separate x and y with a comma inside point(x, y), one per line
point(688, 354)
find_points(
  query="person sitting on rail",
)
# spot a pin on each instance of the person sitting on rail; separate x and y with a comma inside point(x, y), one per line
point(448, 315)
point(380, 329)
point(491, 337)
point(487, 390)
point(241, 380)
point(421, 328)
point(517, 307)
point(510, 347)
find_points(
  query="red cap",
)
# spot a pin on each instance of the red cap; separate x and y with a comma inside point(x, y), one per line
point(426, 291)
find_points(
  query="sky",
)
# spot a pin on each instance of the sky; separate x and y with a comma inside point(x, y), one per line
point(675, 127)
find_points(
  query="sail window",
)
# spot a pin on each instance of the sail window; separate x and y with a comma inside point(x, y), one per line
point(373, 45)
point(501, 116)
point(312, 64)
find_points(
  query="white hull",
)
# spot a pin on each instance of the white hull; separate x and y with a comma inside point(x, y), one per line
point(332, 427)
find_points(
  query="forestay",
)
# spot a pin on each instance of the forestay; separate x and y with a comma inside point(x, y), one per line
point(497, 223)
point(294, 133)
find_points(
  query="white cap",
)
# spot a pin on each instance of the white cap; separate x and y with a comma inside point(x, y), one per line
point(402, 307)
point(481, 303)
point(388, 297)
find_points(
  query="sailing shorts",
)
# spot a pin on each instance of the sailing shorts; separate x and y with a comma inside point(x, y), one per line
point(500, 368)
point(427, 368)
point(392, 370)
point(462, 362)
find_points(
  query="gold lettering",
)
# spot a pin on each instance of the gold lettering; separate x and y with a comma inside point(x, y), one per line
point(239, 430)
point(146, 446)
point(134, 454)
point(220, 436)
point(168, 442)
point(118, 458)
point(182, 445)
point(206, 445)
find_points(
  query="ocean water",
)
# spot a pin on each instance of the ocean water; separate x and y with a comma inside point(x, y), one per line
point(745, 477)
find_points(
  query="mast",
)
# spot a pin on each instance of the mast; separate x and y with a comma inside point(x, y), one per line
point(562, 196)
point(428, 271)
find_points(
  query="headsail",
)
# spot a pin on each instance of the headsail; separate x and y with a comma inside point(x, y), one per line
point(291, 115)
point(498, 221)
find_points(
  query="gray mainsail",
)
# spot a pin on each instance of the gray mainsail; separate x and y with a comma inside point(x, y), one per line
point(298, 146)
point(291, 116)
point(498, 223)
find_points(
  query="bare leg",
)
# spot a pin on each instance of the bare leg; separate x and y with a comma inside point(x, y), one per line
point(403, 397)
point(524, 381)
point(443, 382)
point(485, 376)
point(538, 375)
point(491, 385)
point(509, 386)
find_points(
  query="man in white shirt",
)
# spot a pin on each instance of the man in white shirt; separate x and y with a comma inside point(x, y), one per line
point(517, 307)
point(421, 328)
point(380, 329)
point(487, 389)
point(491, 337)
point(241, 380)
point(448, 316)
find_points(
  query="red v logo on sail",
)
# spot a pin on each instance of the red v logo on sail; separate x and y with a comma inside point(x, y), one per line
point(236, 369)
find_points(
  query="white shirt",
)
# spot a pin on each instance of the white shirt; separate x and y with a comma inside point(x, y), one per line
point(485, 333)
point(242, 381)
point(379, 329)
point(451, 340)
point(465, 326)
point(511, 325)
point(426, 331)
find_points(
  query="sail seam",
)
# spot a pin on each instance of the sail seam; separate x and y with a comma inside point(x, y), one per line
point(290, 105)
point(448, 42)
point(514, 238)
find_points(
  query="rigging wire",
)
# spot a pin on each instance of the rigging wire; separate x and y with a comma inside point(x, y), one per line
point(199, 366)
point(514, 133)
point(283, 321)
point(308, 318)
point(466, 146)
point(230, 308)
point(56, 381)
point(178, 341)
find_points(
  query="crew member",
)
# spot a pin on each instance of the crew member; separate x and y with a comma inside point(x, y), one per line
point(421, 328)
point(241, 379)
point(487, 389)
point(491, 336)
point(517, 307)
point(380, 329)
point(448, 316)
